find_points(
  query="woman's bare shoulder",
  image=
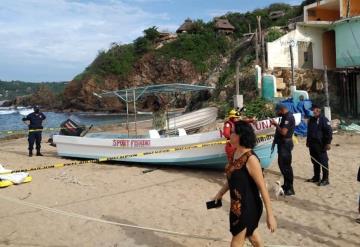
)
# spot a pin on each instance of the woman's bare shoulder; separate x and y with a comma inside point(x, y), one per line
point(253, 161)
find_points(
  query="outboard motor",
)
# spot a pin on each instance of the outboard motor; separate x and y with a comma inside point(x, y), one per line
point(71, 128)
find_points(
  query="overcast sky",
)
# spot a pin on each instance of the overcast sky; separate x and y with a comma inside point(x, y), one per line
point(53, 40)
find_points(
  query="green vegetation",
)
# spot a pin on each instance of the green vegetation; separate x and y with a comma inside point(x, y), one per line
point(241, 21)
point(9, 90)
point(260, 109)
point(202, 46)
point(273, 35)
point(119, 59)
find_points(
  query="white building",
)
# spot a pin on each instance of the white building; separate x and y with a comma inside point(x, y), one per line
point(306, 41)
point(313, 40)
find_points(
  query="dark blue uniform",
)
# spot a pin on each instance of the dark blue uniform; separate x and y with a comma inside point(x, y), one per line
point(285, 146)
point(319, 135)
point(36, 120)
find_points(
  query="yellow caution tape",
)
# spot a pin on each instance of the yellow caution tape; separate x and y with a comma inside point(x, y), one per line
point(127, 156)
point(124, 156)
point(30, 130)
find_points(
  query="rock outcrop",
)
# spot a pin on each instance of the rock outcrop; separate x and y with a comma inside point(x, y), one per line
point(78, 95)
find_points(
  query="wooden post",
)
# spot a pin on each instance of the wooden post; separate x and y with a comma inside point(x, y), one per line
point(348, 9)
point(249, 28)
point(258, 18)
point(327, 109)
point(262, 42)
point(326, 86)
point(292, 66)
point(257, 46)
point(263, 51)
point(237, 77)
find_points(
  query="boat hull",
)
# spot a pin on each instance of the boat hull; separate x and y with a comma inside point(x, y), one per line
point(209, 156)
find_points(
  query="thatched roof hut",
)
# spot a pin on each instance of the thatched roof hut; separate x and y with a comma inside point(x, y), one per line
point(186, 26)
point(223, 25)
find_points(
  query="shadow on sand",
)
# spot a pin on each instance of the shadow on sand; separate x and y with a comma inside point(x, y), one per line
point(142, 237)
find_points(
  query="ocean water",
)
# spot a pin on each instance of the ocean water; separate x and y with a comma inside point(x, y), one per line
point(12, 120)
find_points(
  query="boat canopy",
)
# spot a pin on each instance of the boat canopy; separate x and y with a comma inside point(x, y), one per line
point(133, 94)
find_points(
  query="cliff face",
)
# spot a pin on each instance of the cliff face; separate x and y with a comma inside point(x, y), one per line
point(78, 95)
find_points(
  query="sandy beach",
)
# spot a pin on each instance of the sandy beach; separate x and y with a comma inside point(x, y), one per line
point(171, 199)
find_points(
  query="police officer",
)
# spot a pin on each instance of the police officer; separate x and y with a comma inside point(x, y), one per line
point(283, 139)
point(319, 136)
point(35, 129)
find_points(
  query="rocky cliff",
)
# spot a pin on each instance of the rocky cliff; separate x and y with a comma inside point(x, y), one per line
point(148, 70)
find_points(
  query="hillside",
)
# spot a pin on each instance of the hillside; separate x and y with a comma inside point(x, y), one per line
point(9, 90)
point(201, 55)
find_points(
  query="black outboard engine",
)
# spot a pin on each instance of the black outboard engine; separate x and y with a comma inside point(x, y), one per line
point(71, 128)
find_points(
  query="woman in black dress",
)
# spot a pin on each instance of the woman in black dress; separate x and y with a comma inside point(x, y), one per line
point(245, 180)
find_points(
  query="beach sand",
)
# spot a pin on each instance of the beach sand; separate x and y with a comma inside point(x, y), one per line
point(172, 199)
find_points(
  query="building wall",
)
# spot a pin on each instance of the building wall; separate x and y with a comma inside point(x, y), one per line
point(347, 37)
point(279, 53)
point(324, 15)
point(313, 11)
point(354, 8)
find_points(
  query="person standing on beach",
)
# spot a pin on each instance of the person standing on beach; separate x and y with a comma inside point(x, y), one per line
point(245, 182)
point(34, 121)
point(159, 115)
point(283, 139)
point(229, 127)
point(319, 136)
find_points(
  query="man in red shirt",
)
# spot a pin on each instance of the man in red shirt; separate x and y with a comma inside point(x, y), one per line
point(229, 126)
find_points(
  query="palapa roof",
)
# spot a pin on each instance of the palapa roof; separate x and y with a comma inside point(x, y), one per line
point(222, 23)
point(186, 26)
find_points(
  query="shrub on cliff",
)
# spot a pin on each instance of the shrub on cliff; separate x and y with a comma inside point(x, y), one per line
point(118, 60)
point(201, 46)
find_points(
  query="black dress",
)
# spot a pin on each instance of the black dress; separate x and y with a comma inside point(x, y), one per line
point(246, 204)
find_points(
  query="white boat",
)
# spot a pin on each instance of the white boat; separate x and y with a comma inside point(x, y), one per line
point(193, 120)
point(102, 145)
point(96, 146)
point(264, 127)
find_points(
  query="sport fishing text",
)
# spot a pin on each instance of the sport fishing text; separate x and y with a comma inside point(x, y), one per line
point(131, 143)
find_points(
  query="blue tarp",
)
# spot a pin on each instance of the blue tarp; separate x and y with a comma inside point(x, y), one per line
point(303, 107)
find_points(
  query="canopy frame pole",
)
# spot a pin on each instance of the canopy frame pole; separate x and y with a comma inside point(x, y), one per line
point(127, 114)
point(134, 98)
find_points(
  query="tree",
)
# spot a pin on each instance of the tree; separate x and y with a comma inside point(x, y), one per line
point(151, 34)
point(142, 45)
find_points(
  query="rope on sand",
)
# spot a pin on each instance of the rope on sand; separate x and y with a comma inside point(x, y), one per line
point(83, 217)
